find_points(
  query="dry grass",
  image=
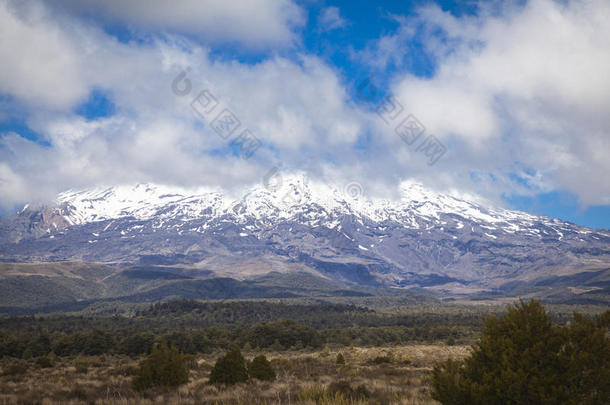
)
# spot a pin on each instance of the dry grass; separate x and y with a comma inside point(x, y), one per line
point(302, 378)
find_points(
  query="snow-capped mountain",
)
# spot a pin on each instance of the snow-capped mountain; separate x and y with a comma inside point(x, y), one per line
point(422, 238)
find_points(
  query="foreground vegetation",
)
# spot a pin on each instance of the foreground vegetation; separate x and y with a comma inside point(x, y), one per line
point(524, 358)
point(247, 352)
point(304, 376)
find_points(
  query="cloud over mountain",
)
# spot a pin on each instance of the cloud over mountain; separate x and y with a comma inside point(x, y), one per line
point(518, 95)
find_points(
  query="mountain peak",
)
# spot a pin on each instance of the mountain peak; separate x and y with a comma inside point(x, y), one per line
point(295, 196)
point(300, 223)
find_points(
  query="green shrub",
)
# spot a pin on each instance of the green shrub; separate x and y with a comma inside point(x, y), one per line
point(164, 367)
point(190, 361)
point(27, 354)
point(137, 344)
point(524, 358)
point(276, 346)
point(230, 368)
point(261, 369)
point(44, 362)
point(387, 358)
point(283, 334)
point(446, 378)
point(90, 343)
point(340, 360)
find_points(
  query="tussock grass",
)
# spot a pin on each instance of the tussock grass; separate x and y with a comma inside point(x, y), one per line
point(303, 377)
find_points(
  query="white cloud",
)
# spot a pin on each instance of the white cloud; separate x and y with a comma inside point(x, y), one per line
point(29, 42)
point(330, 19)
point(506, 98)
point(290, 104)
point(527, 89)
point(254, 23)
point(389, 49)
point(154, 135)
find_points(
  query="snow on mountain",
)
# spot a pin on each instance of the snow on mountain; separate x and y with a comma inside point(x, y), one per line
point(311, 201)
point(142, 201)
point(421, 238)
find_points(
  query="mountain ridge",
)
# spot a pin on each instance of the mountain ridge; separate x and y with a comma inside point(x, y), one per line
point(423, 239)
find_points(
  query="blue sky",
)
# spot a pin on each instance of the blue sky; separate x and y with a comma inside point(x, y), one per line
point(522, 116)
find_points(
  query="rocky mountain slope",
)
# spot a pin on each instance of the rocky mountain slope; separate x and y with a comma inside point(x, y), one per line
point(423, 239)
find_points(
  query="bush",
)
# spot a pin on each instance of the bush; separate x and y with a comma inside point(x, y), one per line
point(90, 343)
point(279, 335)
point(137, 344)
point(164, 367)
point(230, 368)
point(44, 362)
point(261, 369)
point(522, 357)
point(340, 360)
point(387, 358)
point(276, 346)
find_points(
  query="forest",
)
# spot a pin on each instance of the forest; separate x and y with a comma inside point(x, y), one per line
point(242, 352)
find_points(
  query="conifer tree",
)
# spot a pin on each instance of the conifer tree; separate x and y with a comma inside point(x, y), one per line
point(165, 366)
point(524, 358)
point(261, 369)
point(230, 368)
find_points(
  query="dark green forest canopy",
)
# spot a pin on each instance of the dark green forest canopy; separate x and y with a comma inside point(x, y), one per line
point(194, 326)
